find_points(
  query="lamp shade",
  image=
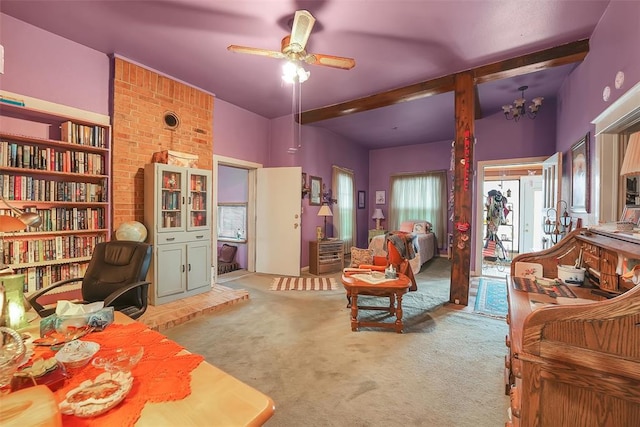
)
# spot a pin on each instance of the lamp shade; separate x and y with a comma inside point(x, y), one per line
point(325, 211)
point(10, 223)
point(377, 214)
point(631, 163)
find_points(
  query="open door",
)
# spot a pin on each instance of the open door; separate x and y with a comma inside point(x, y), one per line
point(278, 220)
point(551, 188)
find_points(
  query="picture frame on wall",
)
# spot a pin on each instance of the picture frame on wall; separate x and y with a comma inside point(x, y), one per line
point(380, 197)
point(315, 186)
point(361, 199)
point(631, 214)
point(580, 178)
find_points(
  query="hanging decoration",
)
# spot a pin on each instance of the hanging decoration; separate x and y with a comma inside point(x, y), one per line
point(497, 213)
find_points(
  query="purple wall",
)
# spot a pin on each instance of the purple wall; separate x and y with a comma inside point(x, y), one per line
point(233, 187)
point(320, 150)
point(37, 64)
point(239, 133)
point(45, 66)
point(614, 46)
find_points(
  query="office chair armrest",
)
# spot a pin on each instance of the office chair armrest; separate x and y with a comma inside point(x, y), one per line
point(34, 297)
point(116, 294)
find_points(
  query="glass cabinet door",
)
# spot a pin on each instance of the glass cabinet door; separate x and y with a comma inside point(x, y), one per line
point(199, 200)
point(171, 200)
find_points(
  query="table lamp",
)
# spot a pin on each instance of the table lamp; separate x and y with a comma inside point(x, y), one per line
point(12, 312)
point(631, 163)
point(378, 215)
point(325, 211)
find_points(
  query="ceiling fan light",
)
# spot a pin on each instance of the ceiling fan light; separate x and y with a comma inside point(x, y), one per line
point(303, 75)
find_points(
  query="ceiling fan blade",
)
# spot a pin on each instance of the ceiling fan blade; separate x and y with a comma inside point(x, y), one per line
point(301, 30)
point(255, 51)
point(330, 61)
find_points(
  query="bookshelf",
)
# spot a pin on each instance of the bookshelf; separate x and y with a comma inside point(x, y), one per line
point(57, 165)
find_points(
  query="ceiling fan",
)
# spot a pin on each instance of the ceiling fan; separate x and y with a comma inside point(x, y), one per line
point(293, 46)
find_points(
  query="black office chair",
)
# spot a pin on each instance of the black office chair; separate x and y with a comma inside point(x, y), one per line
point(116, 275)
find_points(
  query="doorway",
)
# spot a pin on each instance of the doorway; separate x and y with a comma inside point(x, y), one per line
point(515, 185)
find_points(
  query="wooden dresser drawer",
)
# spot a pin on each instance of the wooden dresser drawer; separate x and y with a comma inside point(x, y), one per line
point(608, 262)
point(591, 256)
point(609, 282)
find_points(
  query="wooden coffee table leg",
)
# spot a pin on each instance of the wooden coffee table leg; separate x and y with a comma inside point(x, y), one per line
point(399, 324)
point(354, 311)
point(392, 303)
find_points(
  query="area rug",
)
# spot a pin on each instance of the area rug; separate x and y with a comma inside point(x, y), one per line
point(303, 284)
point(492, 298)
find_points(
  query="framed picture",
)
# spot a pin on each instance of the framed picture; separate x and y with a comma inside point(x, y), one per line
point(315, 185)
point(380, 197)
point(631, 214)
point(580, 175)
point(361, 199)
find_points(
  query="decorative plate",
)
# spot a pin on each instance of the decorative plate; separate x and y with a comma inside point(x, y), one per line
point(97, 396)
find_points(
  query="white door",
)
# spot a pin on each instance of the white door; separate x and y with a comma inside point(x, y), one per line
point(551, 189)
point(278, 209)
point(531, 231)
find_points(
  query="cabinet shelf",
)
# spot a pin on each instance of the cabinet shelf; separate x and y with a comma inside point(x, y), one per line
point(180, 233)
point(326, 256)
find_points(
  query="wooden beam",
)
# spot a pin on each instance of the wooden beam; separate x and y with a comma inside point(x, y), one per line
point(524, 64)
point(463, 188)
point(383, 99)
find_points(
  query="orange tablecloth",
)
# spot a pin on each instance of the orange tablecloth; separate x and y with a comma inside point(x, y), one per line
point(161, 375)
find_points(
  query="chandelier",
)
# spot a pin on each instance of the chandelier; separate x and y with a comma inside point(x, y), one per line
point(518, 109)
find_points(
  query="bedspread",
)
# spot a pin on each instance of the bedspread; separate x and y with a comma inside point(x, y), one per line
point(425, 249)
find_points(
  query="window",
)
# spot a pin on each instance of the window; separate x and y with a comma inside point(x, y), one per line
point(419, 196)
point(232, 222)
point(344, 212)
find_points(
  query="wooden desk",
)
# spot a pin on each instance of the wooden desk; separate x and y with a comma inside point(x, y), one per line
point(393, 289)
point(573, 365)
point(216, 398)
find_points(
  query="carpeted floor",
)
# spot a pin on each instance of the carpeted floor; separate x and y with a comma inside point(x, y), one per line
point(298, 348)
point(491, 298)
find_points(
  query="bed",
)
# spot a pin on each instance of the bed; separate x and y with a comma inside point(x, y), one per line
point(425, 244)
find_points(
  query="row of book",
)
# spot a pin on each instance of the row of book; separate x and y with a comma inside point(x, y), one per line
point(49, 249)
point(44, 276)
point(171, 200)
point(62, 219)
point(198, 202)
point(75, 133)
point(25, 156)
point(29, 188)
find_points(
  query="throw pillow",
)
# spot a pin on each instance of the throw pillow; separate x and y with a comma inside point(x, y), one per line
point(227, 253)
point(406, 226)
point(422, 227)
point(361, 256)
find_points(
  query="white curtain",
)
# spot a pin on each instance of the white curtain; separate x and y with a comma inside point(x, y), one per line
point(419, 196)
point(344, 212)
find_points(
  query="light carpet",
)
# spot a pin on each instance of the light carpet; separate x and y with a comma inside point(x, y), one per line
point(303, 284)
point(492, 297)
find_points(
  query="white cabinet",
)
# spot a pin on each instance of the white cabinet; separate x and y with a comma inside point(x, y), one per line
point(177, 213)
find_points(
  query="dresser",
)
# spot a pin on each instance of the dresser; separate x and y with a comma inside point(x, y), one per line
point(326, 256)
point(576, 364)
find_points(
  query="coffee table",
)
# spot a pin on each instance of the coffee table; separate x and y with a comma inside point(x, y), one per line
point(393, 289)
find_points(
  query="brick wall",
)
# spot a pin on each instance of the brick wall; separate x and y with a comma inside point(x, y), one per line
point(140, 100)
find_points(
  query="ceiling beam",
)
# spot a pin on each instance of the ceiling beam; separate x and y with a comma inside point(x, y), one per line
point(524, 64)
point(383, 99)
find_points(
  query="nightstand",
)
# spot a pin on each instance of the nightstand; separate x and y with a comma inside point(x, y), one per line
point(374, 232)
